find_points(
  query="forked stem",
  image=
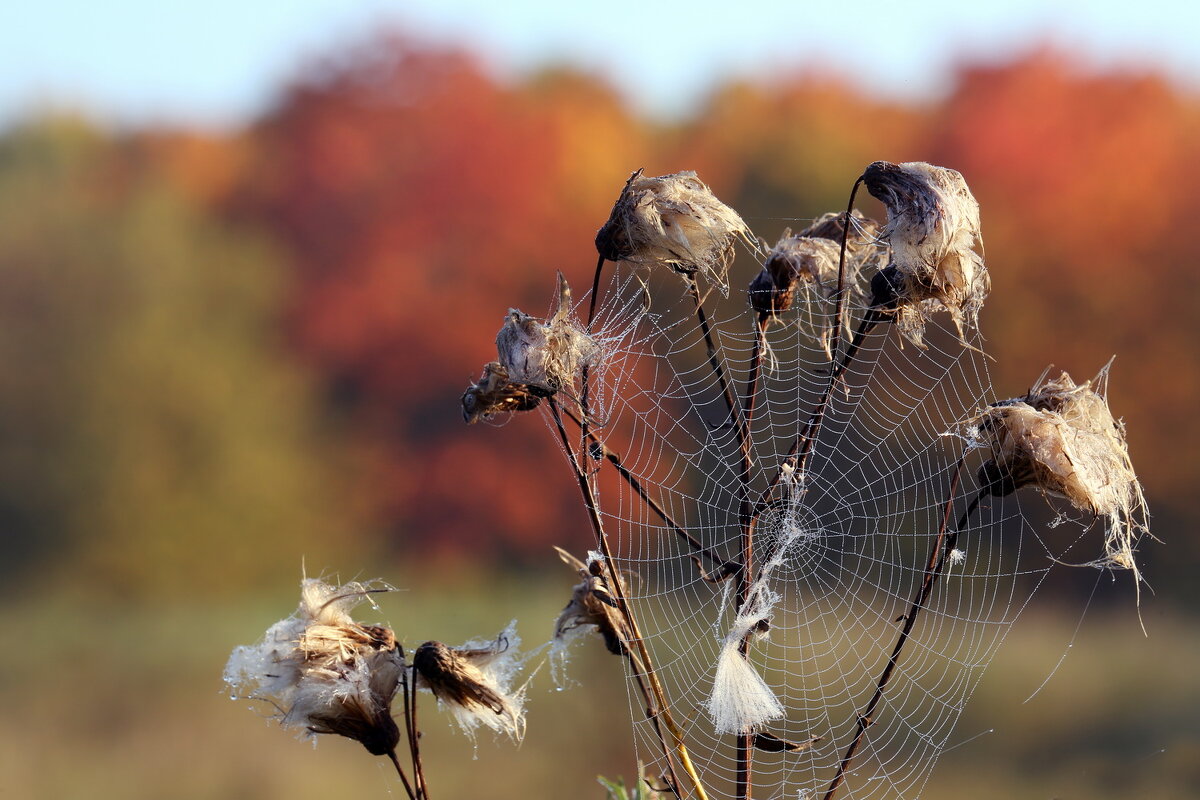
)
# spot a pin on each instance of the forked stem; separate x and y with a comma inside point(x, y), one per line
point(408, 690)
point(725, 568)
point(403, 778)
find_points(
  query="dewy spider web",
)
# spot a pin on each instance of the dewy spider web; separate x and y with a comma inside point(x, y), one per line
point(851, 536)
point(808, 542)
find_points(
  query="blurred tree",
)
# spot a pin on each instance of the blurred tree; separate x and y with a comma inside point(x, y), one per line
point(1088, 187)
point(791, 149)
point(153, 437)
point(417, 201)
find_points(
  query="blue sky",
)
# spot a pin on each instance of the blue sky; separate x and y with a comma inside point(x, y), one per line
point(220, 61)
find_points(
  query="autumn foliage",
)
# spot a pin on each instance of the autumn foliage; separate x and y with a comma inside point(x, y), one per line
point(406, 200)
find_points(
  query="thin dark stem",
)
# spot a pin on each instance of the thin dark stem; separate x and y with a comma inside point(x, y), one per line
point(735, 417)
point(595, 292)
point(409, 692)
point(614, 458)
point(944, 543)
point(841, 290)
point(658, 708)
point(744, 746)
point(403, 778)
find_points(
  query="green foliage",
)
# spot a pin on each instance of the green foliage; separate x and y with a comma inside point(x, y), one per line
point(641, 789)
point(155, 437)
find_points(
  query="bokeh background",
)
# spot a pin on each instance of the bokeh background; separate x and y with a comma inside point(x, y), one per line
point(249, 259)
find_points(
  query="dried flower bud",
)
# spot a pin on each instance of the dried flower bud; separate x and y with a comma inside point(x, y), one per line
point(809, 261)
point(322, 671)
point(474, 682)
point(591, 606)
point(546, 356)
point(1062, 439)
point(794, 260)
point(495, 394)
point(933, 229)
point(674, 220)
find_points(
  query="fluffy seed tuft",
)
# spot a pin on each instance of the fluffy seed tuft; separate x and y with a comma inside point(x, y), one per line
point(674, 220)
point(322, 671)
point(933, 229)
point(475, 682)
point(1061, 438)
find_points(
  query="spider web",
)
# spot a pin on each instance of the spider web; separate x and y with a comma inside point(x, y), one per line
point(849, 537)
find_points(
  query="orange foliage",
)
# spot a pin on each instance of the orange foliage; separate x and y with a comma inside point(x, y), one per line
point(417, 199)
point(1084, 183)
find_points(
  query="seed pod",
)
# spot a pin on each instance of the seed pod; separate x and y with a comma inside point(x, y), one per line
point(546, 357)
point(933, 229)
point(495, 394)
point(323, 672)
point(1061, 438)
point(674, 220)
point(591, 606)
point(473, 681)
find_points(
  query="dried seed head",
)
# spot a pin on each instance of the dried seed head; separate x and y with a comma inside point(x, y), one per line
point(592, 607)
point(474, 682)
point(795, 260)
point(933, 229)
point(495, 394)
point(546, 356)
point(808, 262)
point(322, 671)
point(674, 220)
point(1062, 439)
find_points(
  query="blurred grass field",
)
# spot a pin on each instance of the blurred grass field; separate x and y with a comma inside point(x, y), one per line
point(128, 703)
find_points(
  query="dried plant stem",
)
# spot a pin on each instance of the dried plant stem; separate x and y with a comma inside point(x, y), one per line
point(944, 542)
point(841, 290)
point(408, 690)
point(403, 778)
point(698, 549)
point(741, 429)
point(595, 292)
point(744, 748)
point(657, 707)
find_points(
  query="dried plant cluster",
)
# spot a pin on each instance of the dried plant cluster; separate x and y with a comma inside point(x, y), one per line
point(932, 229)
point(809, 261)
point(322, 672)
point(591, 609)
point(1062, 439)
point(676, 221)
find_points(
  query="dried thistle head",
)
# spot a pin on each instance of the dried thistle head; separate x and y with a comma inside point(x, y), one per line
point(322, 671)
point(674, 220)
point(495, 394)
point(792, 262)
point(474, 682)
point(933, 229)
point(1062, 439)
point(591, 607)
point(546, 356)
point(809, 260)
